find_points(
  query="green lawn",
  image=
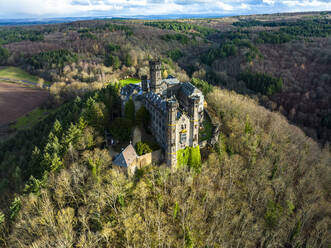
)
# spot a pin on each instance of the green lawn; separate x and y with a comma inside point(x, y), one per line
point(17, 73)
point(124, 82)
point(31, 118)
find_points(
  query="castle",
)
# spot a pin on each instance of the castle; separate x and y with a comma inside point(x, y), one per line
point(176, 110)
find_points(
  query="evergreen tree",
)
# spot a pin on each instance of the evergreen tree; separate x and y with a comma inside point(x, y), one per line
point(57, 128)
point(113, 61)
point(4, 54)
point(143, 117)
point(129, 110)
point(95, 114)
point(128, 60)
point(116, 62)
point(121, 129)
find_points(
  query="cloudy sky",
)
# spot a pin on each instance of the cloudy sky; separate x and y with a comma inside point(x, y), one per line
point(74, 8)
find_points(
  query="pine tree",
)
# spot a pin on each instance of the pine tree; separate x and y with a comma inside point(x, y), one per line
point(129, 110)
point(128, 60)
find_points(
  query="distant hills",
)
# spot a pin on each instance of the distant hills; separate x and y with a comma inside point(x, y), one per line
point(39, 21)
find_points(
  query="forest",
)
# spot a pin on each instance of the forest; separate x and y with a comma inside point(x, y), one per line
point(255, 188)
point(267, 83)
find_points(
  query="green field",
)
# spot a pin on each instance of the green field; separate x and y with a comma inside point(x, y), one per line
point(124, 82)
point(17, 73)
point(31, 118)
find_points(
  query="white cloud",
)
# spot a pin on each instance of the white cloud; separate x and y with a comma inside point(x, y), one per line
point(245, 6)
point(270, 2)
point(224, 6)
point(308, 3)
point(53, 8)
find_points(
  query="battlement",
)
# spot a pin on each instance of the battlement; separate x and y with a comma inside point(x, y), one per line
point(155, 65)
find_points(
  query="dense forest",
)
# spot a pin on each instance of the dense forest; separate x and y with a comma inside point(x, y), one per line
point(256, 188)
point(265, 183)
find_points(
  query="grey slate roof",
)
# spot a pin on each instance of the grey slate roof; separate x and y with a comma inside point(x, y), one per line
point(171, 80)
point(128, 89)
point(157, 101)
point(126, 157)
point(187, 88)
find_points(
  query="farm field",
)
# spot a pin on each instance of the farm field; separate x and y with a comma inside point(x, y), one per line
point(17, 100)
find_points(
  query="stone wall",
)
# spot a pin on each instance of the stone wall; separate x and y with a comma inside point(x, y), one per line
point(147, 159)
point(216, 129)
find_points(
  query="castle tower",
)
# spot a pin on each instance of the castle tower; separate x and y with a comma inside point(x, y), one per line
point(194, 132)
point(171, 150)
point(155, 76)
point(144, 84)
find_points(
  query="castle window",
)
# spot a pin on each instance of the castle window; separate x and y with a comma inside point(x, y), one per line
point(183, 138)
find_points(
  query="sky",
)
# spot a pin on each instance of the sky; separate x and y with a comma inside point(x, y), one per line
point(127, 8)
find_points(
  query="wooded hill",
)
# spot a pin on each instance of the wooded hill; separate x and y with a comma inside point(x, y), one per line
point(265, 184)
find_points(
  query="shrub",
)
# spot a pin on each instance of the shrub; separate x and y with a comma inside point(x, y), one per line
point(142, 148)
point(273, 214)
point(204, 86)
point(191, 157)
point(15, 207)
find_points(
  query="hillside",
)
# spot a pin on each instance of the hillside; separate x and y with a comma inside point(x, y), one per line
point(264, 185)
point(294, 48)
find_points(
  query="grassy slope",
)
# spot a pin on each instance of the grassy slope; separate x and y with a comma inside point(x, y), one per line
point(31, 118)
point(18, 74)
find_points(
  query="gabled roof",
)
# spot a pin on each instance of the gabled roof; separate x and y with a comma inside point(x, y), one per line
point(188, 89)
point(128, 89)
point(126, 157)
point(157, 101)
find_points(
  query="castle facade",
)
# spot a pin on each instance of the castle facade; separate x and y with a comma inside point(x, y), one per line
point(176, 110)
